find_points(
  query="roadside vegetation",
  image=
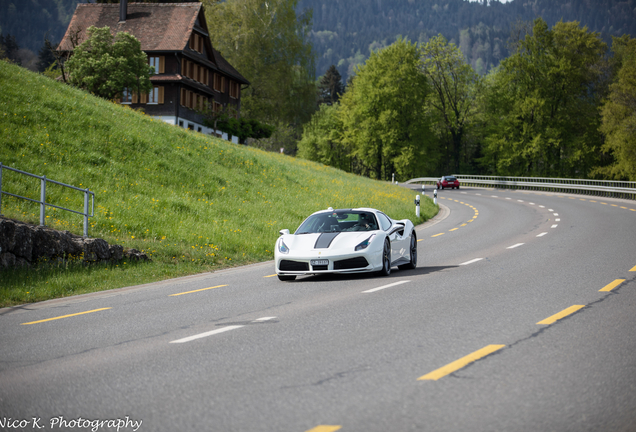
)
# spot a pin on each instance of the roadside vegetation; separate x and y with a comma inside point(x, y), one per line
point(193, 203)
point(558, 106)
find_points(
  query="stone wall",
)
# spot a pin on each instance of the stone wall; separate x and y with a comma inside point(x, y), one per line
point(23, 244)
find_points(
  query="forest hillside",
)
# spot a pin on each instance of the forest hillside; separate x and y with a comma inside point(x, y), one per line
point(345, 32)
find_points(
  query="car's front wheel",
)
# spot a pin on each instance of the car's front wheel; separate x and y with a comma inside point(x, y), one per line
point(413, 252)
point(386, 259)
point(286, 277)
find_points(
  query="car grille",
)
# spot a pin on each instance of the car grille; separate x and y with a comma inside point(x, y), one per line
point(350, 263)
point(287, 265)
point(320, 267)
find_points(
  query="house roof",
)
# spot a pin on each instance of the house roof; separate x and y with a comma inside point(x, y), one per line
point(158, 27)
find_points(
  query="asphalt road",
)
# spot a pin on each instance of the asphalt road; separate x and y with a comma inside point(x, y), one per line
point(521, 316)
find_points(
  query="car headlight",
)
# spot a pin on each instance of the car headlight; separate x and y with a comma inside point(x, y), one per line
point(365, 244)
point(282, 247)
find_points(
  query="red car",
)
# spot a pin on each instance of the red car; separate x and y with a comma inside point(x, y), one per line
point(448, 182)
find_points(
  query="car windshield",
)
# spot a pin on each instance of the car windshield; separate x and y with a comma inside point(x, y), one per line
point(450, 179)
point(339, 221)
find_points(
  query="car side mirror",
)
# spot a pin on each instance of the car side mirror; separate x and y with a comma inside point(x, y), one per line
point(283, 232)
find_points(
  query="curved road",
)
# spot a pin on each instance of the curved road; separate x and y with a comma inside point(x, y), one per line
point(520, 317)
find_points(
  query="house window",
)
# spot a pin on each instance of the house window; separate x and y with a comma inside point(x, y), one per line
point(219, 83)
point(196, 42)
point(234, 89)
point(153, 96)
point(158, 63)
point(154, 63)
point(126, 95)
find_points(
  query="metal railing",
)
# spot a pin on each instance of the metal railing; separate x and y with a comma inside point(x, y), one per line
point(42, 201)
point(607, 188)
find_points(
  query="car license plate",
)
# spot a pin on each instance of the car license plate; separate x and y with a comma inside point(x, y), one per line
point(319, 262)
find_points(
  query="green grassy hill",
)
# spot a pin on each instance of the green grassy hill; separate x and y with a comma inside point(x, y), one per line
point(193, 203)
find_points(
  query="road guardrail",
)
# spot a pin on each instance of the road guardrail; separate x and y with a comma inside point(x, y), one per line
point(606, 188)
point(42, 201)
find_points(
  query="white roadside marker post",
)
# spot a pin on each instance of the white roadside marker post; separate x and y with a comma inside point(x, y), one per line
point(417, 206)
point(435, 197)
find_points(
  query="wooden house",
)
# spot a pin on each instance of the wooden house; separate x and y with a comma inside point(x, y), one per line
point(189, 72)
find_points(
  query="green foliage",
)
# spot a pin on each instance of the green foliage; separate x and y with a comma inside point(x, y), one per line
point(244, 128)
point(454, 85)
point(104, 65)
point(542, 104)
point(9, 48)
point(321, 140)
point(268, 43)
point(619, 114)
point(46, 57)
point(382, 114)
point(330, 87)
point(192, 202)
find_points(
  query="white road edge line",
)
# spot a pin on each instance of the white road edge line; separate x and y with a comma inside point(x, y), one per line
point(386, 286)
point(542, 234)
point(206, 334)
point(472, 261)
point(264, 319)
point(514, 246)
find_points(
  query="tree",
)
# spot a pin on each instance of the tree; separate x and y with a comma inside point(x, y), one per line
point(330, 87)
point(453, 82)
point(105, 66)
point(543, 104)
point(46, 56)
point(619, 113)
point(268, 43)
point(227, 120)
point(321, 140)
point(10, 48)
point(383, 114)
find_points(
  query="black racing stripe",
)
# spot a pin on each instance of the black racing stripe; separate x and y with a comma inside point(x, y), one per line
point(325, 239)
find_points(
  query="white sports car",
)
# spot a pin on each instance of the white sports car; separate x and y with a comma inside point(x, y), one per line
point(346, 241)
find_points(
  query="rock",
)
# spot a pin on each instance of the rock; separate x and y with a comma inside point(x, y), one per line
point(7, 259)
point(46, 243)
point(96, 250)
point(7, 233)
point(135, 255)
point(23, 242)
point(116, 252)
point(21, 262)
